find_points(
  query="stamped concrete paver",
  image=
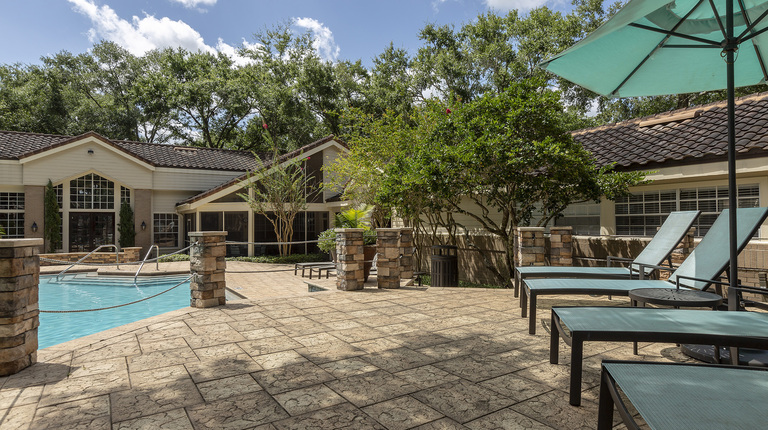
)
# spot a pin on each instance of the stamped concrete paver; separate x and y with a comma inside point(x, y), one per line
point(423, 358)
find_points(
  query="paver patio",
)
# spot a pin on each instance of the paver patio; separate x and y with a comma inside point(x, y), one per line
point(426, 358)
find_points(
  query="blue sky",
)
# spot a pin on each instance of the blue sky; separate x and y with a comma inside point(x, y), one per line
point(343, 29)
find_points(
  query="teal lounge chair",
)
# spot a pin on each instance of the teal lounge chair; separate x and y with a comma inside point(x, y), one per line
point(707, 262)
point(659, 248)
point(683, 396)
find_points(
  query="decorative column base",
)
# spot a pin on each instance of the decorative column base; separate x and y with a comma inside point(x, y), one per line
point(388, 260)
point(530, 246)
point(208, 265)
point(406, 253)
point(19, 311)
point(561, 249)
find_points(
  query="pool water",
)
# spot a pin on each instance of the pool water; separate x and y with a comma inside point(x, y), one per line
point(74, 292)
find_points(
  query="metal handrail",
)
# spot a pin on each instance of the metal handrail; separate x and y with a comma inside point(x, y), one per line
point(117, 259)
point(157, 260)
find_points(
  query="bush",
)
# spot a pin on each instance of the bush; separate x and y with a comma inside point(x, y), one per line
point(286, 259)
point(174, 257)
point(327, 240)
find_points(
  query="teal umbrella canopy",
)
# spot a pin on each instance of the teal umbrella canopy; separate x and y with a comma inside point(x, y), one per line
point(658, 47)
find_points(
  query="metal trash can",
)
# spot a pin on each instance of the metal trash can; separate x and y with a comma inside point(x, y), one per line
point(445, 266)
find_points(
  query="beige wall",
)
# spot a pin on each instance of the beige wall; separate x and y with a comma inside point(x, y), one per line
point(142, 211)
point(34, 211)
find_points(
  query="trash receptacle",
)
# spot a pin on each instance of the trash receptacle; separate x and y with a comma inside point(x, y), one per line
point(445, 266)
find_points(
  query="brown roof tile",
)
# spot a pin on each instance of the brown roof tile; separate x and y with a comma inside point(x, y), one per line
point(702, 138)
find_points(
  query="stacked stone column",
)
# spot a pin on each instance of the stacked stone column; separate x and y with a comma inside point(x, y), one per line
point(406, 253)
point(388, 257)
point(19, 312)
point(207, 263)
point(530, 248)
point(561, 246)
point(349, 251)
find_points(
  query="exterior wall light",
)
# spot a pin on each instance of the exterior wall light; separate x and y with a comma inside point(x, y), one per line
point(90, 152)
point(34, 227)
point(143, 226)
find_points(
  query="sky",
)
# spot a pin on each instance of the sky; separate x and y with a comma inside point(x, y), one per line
point(342, 29)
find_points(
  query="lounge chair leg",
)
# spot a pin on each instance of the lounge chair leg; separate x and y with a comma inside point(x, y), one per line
point(605, 405)
point(554, 342)
point(517, 283)
point(532, 314)
point(577, 356)
point(523, 303)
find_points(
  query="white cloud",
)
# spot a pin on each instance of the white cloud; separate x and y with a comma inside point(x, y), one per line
point(145, 34)
point(506, 5)
point(322, 38)
point(436, 4)
point(195, 3)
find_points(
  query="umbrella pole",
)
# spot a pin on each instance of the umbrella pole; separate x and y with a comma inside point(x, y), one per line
point(733, 276)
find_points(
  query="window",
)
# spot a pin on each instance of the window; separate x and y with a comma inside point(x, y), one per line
point(91, 192)
point(641, 214)
point(583, 217)
point(59, 191)
point(12, 214)
point(166, 230)
point(125, 195)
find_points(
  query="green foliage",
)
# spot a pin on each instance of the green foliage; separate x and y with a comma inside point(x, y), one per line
point(52, 223)
point(355, 218)
point(326, 241)
point(174, 257)
point(285, 259)
point(126, 228)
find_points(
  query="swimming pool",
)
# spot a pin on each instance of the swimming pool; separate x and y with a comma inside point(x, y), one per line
point(80, 291)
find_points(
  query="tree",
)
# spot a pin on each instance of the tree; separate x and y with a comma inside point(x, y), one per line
point(277, 189)
point(126, 229)
point(503, 160)
point(52, 223)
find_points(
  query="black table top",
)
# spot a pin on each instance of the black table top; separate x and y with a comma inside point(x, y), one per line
point(675, 297)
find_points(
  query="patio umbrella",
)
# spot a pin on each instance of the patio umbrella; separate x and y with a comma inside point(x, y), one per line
point(658, 47)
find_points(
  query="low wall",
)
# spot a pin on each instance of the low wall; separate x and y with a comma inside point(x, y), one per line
point(587, 251)
point(126, 255)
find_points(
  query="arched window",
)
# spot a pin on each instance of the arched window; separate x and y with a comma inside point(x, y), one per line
point(91, 192)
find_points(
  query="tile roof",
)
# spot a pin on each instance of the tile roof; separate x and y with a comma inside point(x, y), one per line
point(686, 136)
point(244, 176)
point(16, 145)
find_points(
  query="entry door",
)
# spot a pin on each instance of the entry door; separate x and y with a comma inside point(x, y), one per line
point(89, 230)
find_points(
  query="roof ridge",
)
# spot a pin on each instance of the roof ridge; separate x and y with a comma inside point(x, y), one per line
point(672, 113)
point(170, 145)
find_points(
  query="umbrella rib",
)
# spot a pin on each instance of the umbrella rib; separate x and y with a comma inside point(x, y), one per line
point(717, 17)
point(680, 35)
point(750, 27)
point(661, 43)
point(753, 35)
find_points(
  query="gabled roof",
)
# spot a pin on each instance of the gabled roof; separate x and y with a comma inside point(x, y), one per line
point(686, 136)
point(18, 145)
point(304, 149)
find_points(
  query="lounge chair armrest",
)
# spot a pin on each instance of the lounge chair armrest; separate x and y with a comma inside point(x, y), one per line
point(610, 259)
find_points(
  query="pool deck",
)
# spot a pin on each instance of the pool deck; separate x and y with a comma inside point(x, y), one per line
point(427, 358)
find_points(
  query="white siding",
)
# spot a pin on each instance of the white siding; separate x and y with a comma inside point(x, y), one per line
point(187, 179)
point(330, 155)
point(75, 161)
point(10, 173)
point(165, 201)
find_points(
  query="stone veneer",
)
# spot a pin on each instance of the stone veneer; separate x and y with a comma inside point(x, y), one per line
point(388, 258)
point(349, 251)
point(530, 246)
point(19, 278)
point(207, 264)
point(561, 246)
point(406, 253)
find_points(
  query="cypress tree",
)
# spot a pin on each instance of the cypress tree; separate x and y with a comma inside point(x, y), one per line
point(126, 228)
point(52, 226)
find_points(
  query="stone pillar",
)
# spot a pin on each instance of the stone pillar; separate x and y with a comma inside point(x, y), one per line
point(349, 254)
point(388, 257)
point(530, 247)
point(207, 263)
point(131, 253)
point(19, 278)
point(406, 253)
point(561, 250)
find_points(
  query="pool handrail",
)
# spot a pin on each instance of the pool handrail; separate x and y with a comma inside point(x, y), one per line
point(117, 258)
point(157, 260)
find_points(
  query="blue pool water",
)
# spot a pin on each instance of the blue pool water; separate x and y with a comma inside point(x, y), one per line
point(79, 291)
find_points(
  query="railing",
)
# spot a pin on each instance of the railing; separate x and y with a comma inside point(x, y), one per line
point(117, 259)
point(157, 260)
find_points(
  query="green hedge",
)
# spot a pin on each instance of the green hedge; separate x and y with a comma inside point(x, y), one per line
point(273, 259)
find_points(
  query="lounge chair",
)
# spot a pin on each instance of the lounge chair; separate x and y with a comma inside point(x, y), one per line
point(677, 396)
point(707, 261)
point(658, 249)
point(576, 325)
